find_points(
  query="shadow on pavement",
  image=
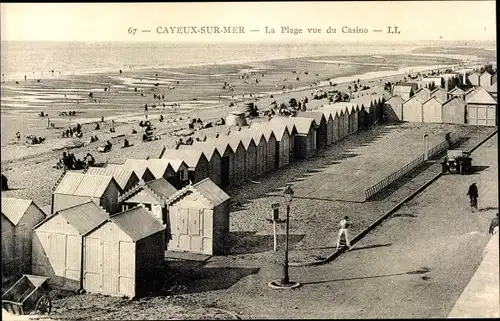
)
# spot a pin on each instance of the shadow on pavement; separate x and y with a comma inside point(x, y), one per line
point(369, 247)
point(420, 271)
point(476, 169)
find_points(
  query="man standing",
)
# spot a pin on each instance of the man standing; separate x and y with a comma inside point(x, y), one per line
point(473, 195)
point(343, 229)
point(494, 225)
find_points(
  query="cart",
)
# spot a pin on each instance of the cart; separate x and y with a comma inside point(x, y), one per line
point(29, 295)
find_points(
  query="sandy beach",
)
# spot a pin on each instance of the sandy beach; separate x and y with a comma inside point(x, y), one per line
point(184, 93)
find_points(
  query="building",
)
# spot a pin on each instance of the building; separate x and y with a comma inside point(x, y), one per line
point(492, 90)
point(151, 195)
point(19, 216)
point(175, 170)
point(485, 79)
point(432, 111)
point(454, 111)
point(321, 127)
point(126, 178)
point(403, 91)
point(272, 147)
point(142, 172)
point(437, 81)
point(474, 79)
point(76, 188)
point(197, 162)
point(456, 92)
point(58, 244)
point(329, 125)
point(199, 218)
point(213, 157)
point(412, 109)
point(481, 108)
point(283, 147)
point(124, 254)
point(393, 110)
point(423, 94)
point(250, 152)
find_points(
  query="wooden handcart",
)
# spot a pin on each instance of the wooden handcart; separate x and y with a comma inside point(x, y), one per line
point(29, 295)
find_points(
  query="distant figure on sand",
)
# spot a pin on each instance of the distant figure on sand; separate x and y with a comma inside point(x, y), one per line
point(473, 195)
point(343, 229)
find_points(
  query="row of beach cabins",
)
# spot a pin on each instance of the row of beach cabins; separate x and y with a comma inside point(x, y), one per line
point(108, 228)
point(472, 102)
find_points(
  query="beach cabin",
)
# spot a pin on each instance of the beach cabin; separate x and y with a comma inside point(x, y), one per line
point(175, 171)
point(481, 108)
point(58, 244)
point(474, 79)
point(282, 135)
point(440, 94)
point(305, 137)
point(212, 155)
point(412, 109)
point(19, 216)
point(321, 127)
point(142, 172)
point(454, 111)
point(261, 151)
point(199, 218)
point(403, 91)
point(271, 148)
point(423, 94)
point(485, 79)
point(197, 162)
point(126, 178)
point(393, 109)
point(124, 254)
point(77, 188)
point(151, 195)
point(227, 158)
point(492, 90)
point(432, 111)
point(456, 92)
point(239, 165)
point(329, 116)
point(250, 152)
point(437, 81)
point(343, 121)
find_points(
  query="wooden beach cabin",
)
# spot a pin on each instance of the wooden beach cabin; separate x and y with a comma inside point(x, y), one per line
point(126, 178)
point(271, 147)
point(239, 165)
point(226, 153)
point(282, 135)
point(456, 92)
point(305, 137)
point(19, 216)
point(441, 94)
point(212, 155)
point(175, 171)
point(393, 109)
point(151, 195)
point(412, 109)
point(142, 172)
point(197, 162)
point(454, 111)
point(250, 146)
point(321, 125)
point(199, 218)
point(124, 254)
point(423, 94)
point(77, 188)
point(481, 108)
point(432, 111)
point(58, 244)
point(334, 114)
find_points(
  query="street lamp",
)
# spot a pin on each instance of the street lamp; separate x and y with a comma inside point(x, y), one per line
point(287, 197)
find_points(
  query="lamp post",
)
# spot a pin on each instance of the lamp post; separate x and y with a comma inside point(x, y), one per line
point(287, 196)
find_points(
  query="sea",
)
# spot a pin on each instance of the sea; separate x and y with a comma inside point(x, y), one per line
point(19, 58)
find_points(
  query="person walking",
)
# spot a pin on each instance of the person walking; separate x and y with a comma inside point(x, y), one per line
point(473, 195)
point(343, 229)
point(493, 226)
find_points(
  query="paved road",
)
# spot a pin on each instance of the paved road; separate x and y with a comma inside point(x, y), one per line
point(415, 265)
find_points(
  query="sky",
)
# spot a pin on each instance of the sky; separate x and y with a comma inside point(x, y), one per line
point(424, 20)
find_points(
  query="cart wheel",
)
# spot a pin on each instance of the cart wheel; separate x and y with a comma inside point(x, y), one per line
point(44, 305)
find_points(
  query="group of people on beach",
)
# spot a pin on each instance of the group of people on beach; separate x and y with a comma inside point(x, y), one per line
point(73, 132)
point(70, 162)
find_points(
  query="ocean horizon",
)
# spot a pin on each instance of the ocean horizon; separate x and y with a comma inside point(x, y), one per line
point(36, 59)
